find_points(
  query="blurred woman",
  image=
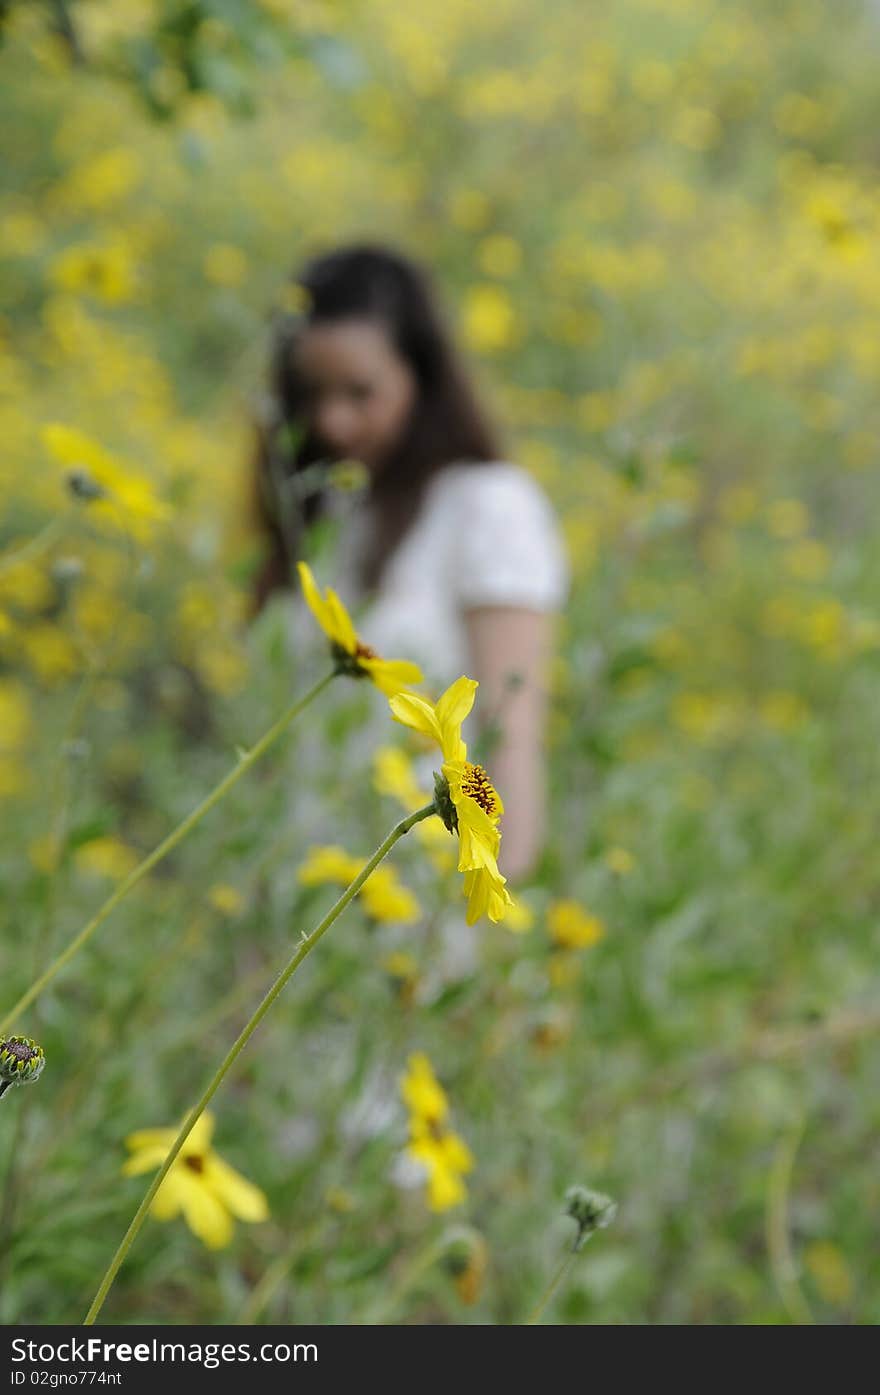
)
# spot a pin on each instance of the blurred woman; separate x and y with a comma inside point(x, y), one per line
point(451, 555)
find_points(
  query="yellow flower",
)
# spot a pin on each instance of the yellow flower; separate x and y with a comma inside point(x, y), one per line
point(106, 857)
point(352, 657)
point(519, 917)
point(328, 864)
point(201, 1185)
point(226, 899)
point(571, 926)
point(444, 1155)
point(383, 896)
point(393, 775)
point(473, 805)
point(116, 494)
point(422, 1093)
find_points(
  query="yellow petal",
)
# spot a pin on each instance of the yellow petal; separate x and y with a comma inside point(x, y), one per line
point(168, 1201)
point(312, 597)
point(422, 1092)
point(328, 864)
point(456, 1155)
point(341, 629)
point(199, 1138)
point(413, 711)
point(391, 676)
point(487, 894)
point(235, 1192)
point(445, 1189)
point(148, 1138)
point(146, 1159)
point(452, 708)
point(204, 1214)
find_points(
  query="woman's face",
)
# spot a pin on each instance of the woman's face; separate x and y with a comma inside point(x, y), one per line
point(358, 390)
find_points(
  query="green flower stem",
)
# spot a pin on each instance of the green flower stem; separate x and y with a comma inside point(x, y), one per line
point(307, 944)
point(249, 759)
point(538, 1312)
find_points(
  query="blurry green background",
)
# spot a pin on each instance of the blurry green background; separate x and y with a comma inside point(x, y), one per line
point(656, 227)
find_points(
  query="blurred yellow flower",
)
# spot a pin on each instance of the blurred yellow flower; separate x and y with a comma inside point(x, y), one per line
point(620, 860)
point(106, 857)
point(123, 497)
point(226, 899)
point(103, 271)
point(328, 864)
point(354, 658)
point(489, 319)
point(519, 916)
point(572, 927)
point(200, 1185)
point(384, 898)
point(445, 1156)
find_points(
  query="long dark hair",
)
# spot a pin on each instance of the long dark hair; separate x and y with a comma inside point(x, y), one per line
point(446, 424)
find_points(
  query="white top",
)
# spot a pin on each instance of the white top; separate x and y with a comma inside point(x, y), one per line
point(485, 535)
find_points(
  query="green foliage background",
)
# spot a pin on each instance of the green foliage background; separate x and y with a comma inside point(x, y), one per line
point(656, 225)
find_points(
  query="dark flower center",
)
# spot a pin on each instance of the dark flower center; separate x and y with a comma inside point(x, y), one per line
point(194, 1163)
point(478, 787)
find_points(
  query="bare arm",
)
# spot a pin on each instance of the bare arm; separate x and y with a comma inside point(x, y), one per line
point(510, 650)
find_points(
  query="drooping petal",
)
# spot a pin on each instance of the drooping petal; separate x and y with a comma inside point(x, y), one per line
point(413, 711)
point(487, 894)
point(168, 1201)
point(205, 1215)
point(392, 676)
point(233, 1191)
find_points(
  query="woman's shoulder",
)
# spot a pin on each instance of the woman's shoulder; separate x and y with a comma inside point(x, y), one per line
point(483, 476)
point(506, 542)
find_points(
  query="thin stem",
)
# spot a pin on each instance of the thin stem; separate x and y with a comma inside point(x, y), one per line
point(537, 1312)
point(249, 759)
point(782, 1260)
point(306, 945)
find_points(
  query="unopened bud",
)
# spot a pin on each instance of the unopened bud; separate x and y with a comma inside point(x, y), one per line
point(591, 1211)
point(21, 1062)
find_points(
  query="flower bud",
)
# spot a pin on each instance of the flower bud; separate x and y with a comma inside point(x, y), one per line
point(443, 799)
point(21, 1061)
point(590, 1211)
